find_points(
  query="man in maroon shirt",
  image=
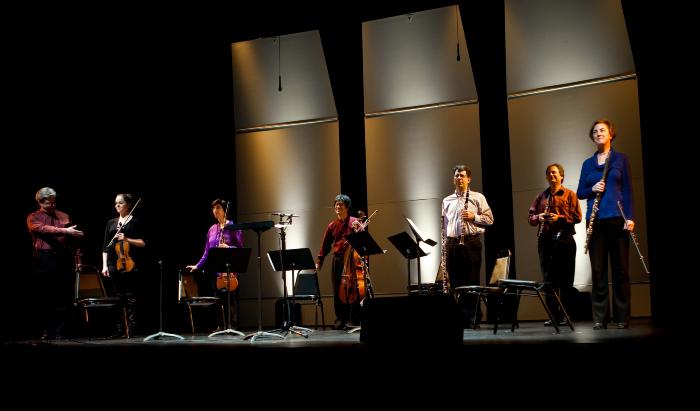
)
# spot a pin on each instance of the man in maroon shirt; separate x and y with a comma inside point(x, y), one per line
point(555, 211)
point(54, 258)
point(334, 239)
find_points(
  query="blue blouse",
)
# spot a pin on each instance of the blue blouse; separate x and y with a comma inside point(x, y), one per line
point(618, 186)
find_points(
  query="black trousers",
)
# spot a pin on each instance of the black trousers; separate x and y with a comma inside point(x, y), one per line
point(125, 285)
point(610, 242)
point(53, 280)
point(463, 263)
point(557, 252)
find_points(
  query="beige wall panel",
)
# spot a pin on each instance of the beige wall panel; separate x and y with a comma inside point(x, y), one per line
point(413, 62)
point(306, 88)
point(554, 42)
point(410, 155)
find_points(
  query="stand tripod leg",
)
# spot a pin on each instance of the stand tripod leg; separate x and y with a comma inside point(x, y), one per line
point(260, 333)
point(160, 333)
point(229, 329)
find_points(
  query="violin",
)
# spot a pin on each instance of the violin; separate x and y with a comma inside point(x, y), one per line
point(224, 283)
point(124, 261)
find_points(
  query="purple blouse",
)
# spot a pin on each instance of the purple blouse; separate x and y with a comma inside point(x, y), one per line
point(232, 238)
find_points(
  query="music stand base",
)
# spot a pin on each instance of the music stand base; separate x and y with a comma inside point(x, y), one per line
point(161, 334)
point(261, 334)
point(226, 331)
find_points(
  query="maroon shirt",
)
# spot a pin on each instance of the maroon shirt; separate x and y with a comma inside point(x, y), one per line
point(564, 203)
point(334, 237)
point(49, 232)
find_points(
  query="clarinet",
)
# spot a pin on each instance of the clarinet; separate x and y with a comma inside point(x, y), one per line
point(443, 256)
point(546, 212)
point(464, 225)
point(539, 229)
point(634, 239)
point(596, 202)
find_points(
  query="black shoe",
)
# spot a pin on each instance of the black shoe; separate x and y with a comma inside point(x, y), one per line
point(338, 325)
point(621, 326)
point(599, 326)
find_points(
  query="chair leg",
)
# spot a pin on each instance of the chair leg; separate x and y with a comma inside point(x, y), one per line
point(499, 308)
point(514, 311)
point(323, 316)
point(546, 308)
point(189, 309)
point(476, 310)
point(561, 306)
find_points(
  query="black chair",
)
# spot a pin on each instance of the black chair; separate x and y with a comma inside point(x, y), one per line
point(306, 288)
point(90, 294)
point(500, 272)
point(534, 289)
point(189, 295)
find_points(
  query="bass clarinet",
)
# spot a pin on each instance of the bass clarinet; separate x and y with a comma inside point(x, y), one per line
point(596, 202)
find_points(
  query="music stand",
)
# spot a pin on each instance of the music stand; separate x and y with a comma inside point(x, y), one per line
point(294, 259)
point(410, 250)
point(363, 243)
point(227, 260)
point(259, 227)
point(160, 332)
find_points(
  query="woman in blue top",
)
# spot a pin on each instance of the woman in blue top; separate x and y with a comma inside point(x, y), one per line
point(609, 237)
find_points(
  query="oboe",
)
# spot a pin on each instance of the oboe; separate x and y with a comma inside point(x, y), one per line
point(546, 214)
point(594, 209)
point(464, 225)
point(634, 239)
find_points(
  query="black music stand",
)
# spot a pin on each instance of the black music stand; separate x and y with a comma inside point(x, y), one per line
point(160, 333)
point(227, 260)
point(363, 243)
point(294, 259)
point(410, 250)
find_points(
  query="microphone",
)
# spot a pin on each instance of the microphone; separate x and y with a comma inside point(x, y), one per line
point(285, 215)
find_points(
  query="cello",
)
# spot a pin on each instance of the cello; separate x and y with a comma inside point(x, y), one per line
point(352, 281)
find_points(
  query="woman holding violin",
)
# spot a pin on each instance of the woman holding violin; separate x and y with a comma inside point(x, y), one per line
point(123, 256)
point(220, 234)
point(347, 308)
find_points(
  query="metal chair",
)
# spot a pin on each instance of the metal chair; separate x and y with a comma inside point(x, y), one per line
point(189, 295)
point(500, 272)
point(306, 288)
point(533, 289)
point(90, 294)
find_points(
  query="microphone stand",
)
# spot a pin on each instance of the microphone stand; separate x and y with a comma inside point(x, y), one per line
point(288, 324)
point(160, 333)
